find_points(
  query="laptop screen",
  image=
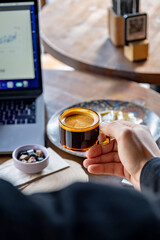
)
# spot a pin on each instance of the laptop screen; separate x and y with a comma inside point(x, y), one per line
point(19, 53)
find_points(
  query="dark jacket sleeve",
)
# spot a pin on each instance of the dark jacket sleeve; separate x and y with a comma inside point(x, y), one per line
point(81, 211)
point(150, 176)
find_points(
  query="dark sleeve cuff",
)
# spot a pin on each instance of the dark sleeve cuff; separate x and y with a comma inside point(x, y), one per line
point(150, 176)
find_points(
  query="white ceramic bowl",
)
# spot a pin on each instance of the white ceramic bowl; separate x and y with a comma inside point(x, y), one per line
point(30, 168)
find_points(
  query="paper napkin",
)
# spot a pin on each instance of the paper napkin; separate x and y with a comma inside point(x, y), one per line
point(10, 173)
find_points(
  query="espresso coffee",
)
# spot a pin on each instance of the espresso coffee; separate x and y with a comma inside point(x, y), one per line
point(79, 128)
point(78, 120)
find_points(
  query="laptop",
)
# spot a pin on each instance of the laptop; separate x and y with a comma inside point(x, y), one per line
point(21, 99)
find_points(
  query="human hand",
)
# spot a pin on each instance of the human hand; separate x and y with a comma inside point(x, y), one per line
point(124, 156)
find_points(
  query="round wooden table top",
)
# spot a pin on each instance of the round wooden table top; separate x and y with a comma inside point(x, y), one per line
point(76, 33)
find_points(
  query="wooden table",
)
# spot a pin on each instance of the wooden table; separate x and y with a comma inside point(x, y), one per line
point(75, 32)
point(64, 88)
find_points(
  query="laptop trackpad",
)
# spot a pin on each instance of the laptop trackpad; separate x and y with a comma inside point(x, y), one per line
point(13, 136)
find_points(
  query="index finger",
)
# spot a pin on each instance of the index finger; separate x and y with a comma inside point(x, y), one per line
point(98, 150)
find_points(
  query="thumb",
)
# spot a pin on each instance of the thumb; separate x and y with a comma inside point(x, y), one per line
point(113, 129)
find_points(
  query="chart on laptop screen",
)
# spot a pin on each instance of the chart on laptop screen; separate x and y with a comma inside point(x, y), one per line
point(16, 50)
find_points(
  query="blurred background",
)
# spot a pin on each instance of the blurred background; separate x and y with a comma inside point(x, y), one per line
point(49, 62)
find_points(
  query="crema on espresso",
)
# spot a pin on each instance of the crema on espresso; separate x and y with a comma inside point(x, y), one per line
point(79, 120)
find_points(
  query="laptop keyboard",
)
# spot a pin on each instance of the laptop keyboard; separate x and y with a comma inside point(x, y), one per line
point(17, 111)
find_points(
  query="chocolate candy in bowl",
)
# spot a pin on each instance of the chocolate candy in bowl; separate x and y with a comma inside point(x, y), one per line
point(30, 158)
